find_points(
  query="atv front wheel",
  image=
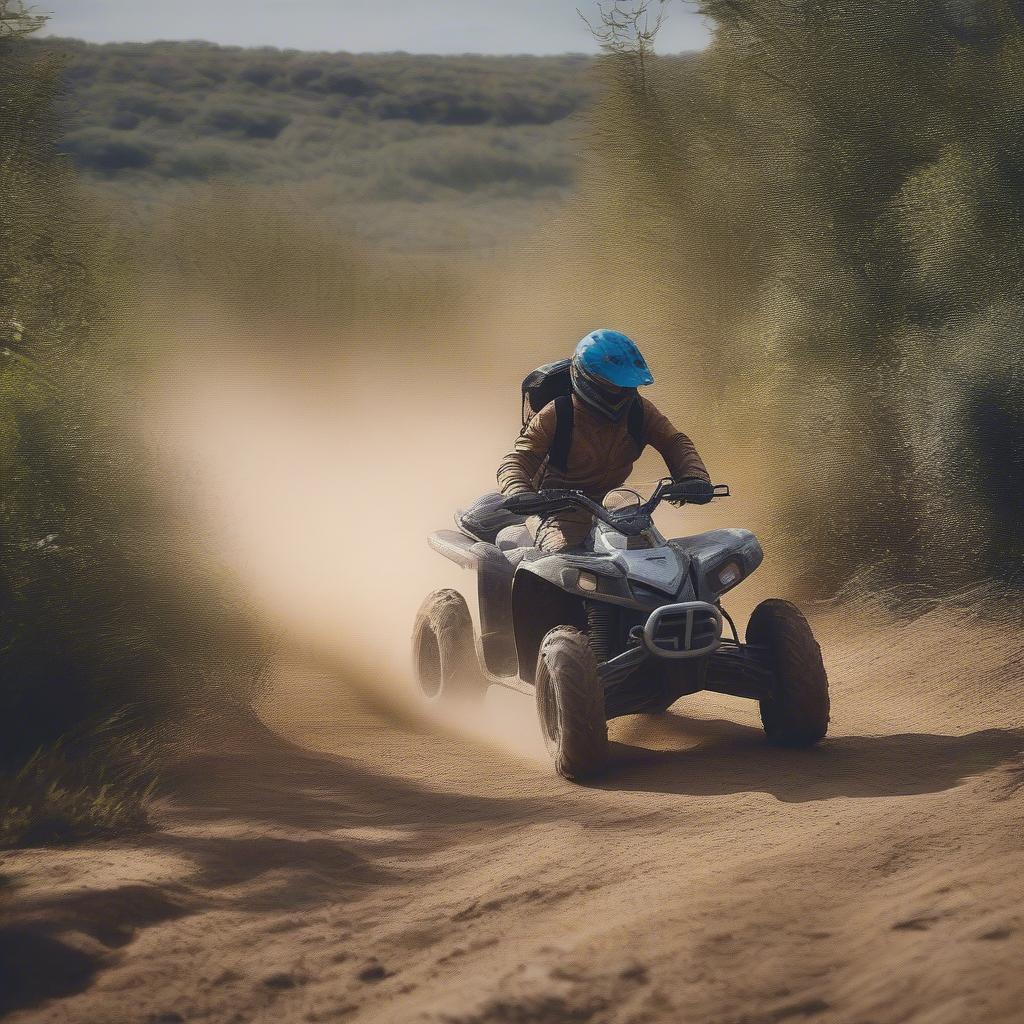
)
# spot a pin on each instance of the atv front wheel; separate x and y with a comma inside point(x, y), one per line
point(570, 704)
point(797, 713)
point(444, 651)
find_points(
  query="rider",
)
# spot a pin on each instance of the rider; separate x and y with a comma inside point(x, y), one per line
point(608, 435)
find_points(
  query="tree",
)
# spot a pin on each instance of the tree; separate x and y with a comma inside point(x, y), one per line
point(831, 194)
point(17, 20)
point(626, 29)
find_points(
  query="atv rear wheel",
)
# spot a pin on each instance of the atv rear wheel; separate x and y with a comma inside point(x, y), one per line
point(444, 650)
point(570, 704)
point(797, 714)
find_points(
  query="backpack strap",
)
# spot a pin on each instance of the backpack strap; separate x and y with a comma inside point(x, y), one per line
point(635, 423)
point(558, 454)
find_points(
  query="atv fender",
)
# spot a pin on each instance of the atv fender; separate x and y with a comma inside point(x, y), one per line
point(494, 594)
point(538, 607)
point(562, 570)
point(710, 551)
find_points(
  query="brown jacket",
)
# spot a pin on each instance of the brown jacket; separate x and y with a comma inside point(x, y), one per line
point(601, 458)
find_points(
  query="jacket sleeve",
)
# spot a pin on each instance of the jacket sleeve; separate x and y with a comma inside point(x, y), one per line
point(520, 467)
point(676, 448)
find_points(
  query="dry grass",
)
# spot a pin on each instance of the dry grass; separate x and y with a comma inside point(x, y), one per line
point(97, 781)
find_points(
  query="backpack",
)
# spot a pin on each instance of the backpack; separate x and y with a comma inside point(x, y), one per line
point(552, 383)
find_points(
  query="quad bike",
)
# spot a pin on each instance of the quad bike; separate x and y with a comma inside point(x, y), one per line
point(627, 626)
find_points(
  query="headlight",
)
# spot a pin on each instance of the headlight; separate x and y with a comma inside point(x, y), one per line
point(726, 575)
point(587, 581)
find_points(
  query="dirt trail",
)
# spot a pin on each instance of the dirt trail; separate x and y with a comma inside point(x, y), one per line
point(337, 866)
point(334, 862)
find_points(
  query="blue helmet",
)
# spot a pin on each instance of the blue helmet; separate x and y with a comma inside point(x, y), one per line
point(614, 358)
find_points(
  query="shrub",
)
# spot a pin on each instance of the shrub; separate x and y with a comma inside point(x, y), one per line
point(96, 781)
point(250, 124)
point(829, 197)
point(304, 77)
point(143, 104)
point(345, 84)
point(468, 167)
point(124, 120)
point(108, 152)
point(374, 126)
point(93, 618)
point(262, 74)
point(202, 161)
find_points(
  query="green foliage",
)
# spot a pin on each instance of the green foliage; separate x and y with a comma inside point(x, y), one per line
point(58, 570)
point(94, 613)
point(365, 131)
point(107, 152)
point(836, 190)
point(469, 165)
point(240, 122)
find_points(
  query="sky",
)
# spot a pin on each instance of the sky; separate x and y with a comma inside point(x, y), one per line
point(417, 26)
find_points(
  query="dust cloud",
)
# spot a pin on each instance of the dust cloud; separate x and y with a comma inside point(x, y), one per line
point(360, 859)
point(315, 464)
point(317, 484)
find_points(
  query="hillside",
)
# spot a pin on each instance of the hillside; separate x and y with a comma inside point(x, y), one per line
point(412, 151)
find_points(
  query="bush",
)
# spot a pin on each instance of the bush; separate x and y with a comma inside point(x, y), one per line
point(201, 161)
point(145, 105)
point(828, 197)
point(304, 77)
point(260, 74)
point(344, 84)
point(334, 146)
point(95, 616)
point(97, 781)
point(363, 123)
point(108, 152)
point(245, 123)
point(470, 167)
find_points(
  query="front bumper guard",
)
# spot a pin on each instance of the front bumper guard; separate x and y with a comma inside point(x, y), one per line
point(689, 629)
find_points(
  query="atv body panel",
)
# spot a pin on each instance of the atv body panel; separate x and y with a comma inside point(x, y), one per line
point(626, 624)
point(649, 605)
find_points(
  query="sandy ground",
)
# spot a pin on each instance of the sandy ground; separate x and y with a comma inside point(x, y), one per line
point(336, 861)
point(334, 864)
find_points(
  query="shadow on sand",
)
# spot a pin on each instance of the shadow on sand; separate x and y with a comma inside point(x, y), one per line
point(266, 825)
point(732, 758)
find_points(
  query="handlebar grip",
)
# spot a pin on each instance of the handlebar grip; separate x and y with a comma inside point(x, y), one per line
point(694, 490)
point(520, 503)
point(558, 494)
point(540, 503)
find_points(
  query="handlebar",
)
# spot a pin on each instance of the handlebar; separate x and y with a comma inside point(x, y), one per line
point(628, 521)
